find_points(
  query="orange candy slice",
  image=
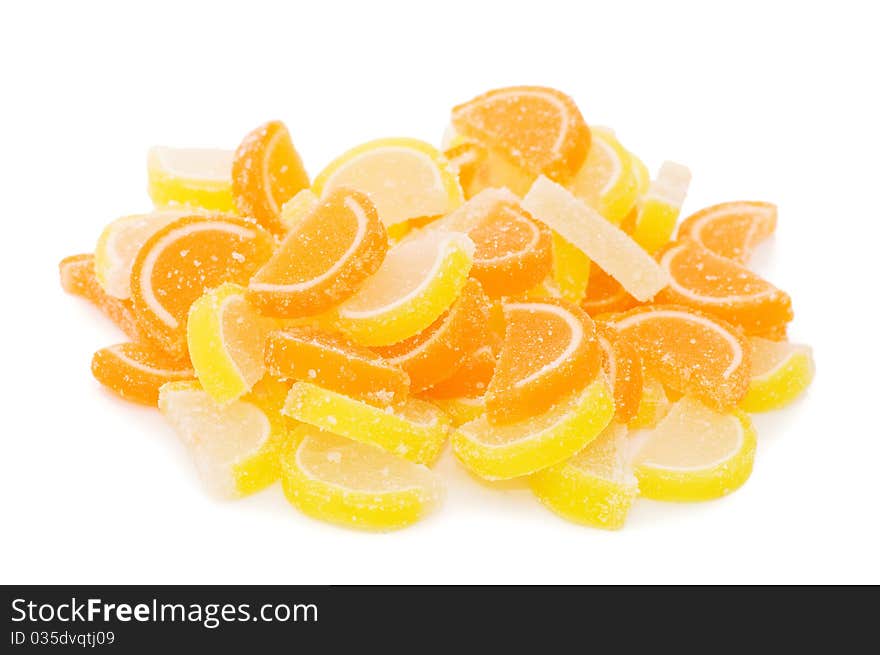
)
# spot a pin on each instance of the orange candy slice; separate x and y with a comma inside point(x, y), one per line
point(469, 380)
point(731, 229)
point(78, 277)
point(550, 351)
point(324, 259)
point(467, 158)
point(431, 355)
point(539, 130)
point(332, 361)
point(185, 259)
point(622, 364)
point(605, 294)
point(719, 286)
point(267, 172)
point(690, 352)
point(136, 371)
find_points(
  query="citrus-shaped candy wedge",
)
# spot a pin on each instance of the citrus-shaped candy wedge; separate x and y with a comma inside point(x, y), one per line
point(502, 452)
point(660, 206)
point(690, 352)
point(470, 379)
point(357, 485)
point(606, 181)
point(695, 453)
point(719, 286)
point(418, 281)
point(136, 371)
point(622, 364)
point(596, 487)
point(405, 178)
point(267, 172)
point(416, 429)
point(226, 336)
point(191, 177)
point(461, 410)
point(781, 372)
point(183, 260)
point(641, 175)
point(653, 406)
point(549, 351)
point(605, 295)
point(571, 269)
point(297, 208)
point(323, 259)
point(467, 158)
point(442, 347)
point(605, 244)
point(537, 129)
point(731, 229)
point(334, 362)
point(236, 445)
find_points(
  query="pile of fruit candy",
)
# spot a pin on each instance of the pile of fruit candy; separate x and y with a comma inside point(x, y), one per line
point(518, 292)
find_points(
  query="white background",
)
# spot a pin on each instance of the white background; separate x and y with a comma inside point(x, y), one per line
point(763, 100)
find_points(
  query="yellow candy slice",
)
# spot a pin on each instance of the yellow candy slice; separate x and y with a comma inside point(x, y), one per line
point(415, 429)
point(418, 281)
point(781, 372)
point(596, 487)
point(571, 270)
point(653, 406)
point(301, 205)
point(235, 446)
point(509, 451)
point(661, 207)
point(461, 410)
point(606, 181)
point(194, 177)
point(695, 454)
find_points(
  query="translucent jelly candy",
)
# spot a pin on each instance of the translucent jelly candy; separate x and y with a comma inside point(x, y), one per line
point(500, 452)
point(183, 260)
point(695, 453)
point(623, 366)
point(418, 281)
point(235, 445)
point(604, 243)
point(660, 207)
point(336, 363)
point(537, 129)
point(226, 335)
point(690, 352)
point(721, 287)
point(470, 379)
point(297, 208)
point(605, 295)
point(423, 182)
point(571, 270)
point(78, 277)
point(357, 485)
point(324, 258)
point(606, 181)
point(416, 430)
point(781, 372)
point(191, 177)
point(136, 371)
point(267, 172)
point(467, 158)
point(549, 351)
point(596, 487)
point(442, 347)
point(653, 405)
point(731, 229)
point(461, 410)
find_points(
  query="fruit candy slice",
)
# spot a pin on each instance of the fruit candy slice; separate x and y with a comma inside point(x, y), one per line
point(571, 270)
point(226, 336)
point(596, 487)
point(641, 175)
point(605, 244)
point(695, 453)
point(606, 181)
point(405, 178)
point(721, 287)
point(605, 295)
point(136, 371)
point(537, 129)
point(192, 177)
point(418, 281)
point(653, 406)
point(467, 158)
point(622, 364)
point(77, 274)
point(267, 172)
point(660, 207)
point(470, 379)
point(334, 479)
point(297, 208)
point(781, 372)
point(183, 260)
point(416, 430)
point(236, 445)
point(336, 363)
point(462, 410)
point(549, 351)
point(690, 352)
point(731, 229)
point(431, 355)
point(324, 258)
point(501, 452)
